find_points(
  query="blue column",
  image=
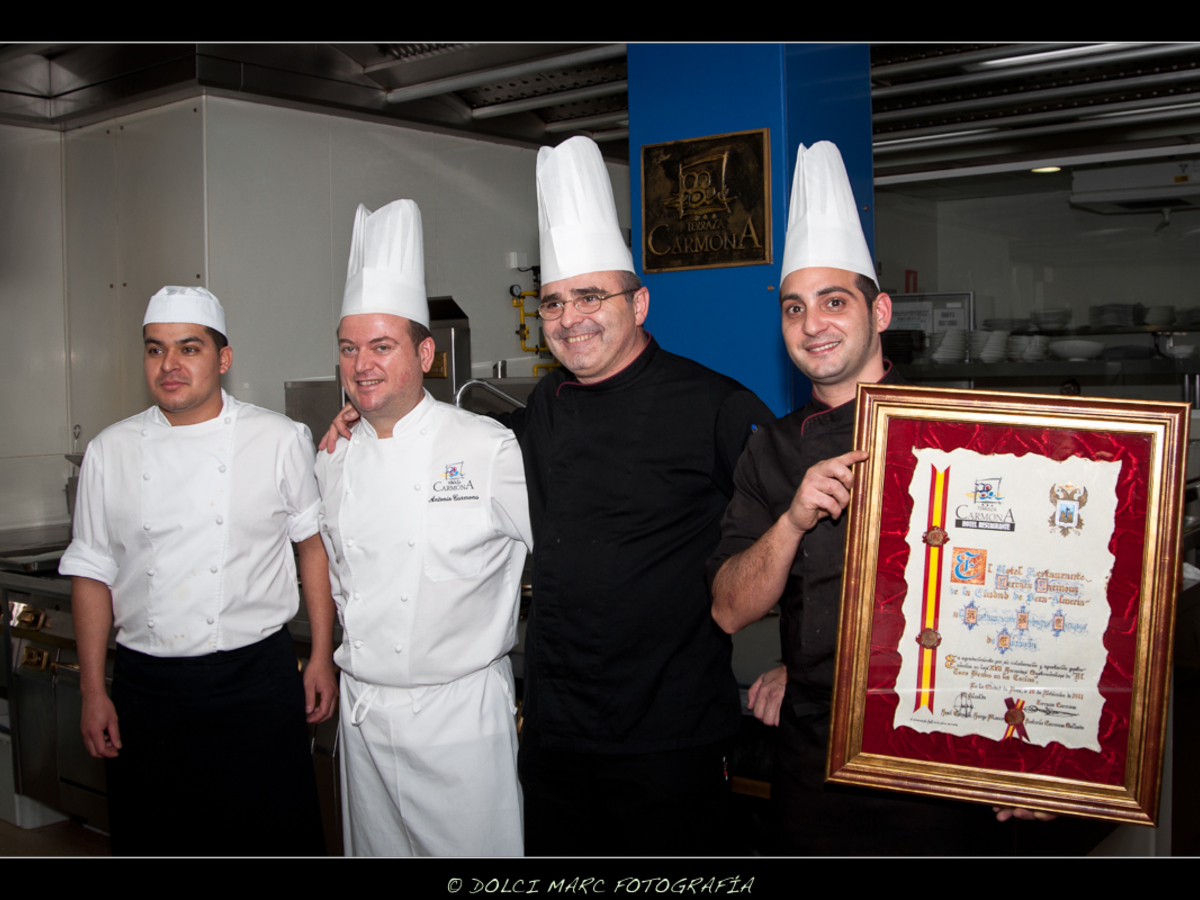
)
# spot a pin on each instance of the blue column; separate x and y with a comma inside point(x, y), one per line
point(728, 318)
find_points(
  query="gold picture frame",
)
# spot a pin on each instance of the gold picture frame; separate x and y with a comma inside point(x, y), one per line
point(966, 745)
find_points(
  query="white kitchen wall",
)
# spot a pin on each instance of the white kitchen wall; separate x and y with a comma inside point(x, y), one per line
point(93, 276)
point(1034, 251)
point(257, 204)
point(906, 237)
point(268, 195)
point(32, 334)
point(134, 222)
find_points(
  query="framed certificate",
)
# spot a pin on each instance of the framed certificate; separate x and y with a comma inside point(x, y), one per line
point(1008, 603)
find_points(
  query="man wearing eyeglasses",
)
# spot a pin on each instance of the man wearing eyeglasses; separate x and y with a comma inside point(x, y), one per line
point(630, 701)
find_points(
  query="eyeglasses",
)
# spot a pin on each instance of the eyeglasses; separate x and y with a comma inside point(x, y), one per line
point(553, 309)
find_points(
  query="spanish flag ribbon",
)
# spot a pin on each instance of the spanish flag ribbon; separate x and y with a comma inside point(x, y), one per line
point(1015, 719)
point(935, 540)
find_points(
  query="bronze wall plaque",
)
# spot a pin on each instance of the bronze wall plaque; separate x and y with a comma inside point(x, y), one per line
point(706, 202)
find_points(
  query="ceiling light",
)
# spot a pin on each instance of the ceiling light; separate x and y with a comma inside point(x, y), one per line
point(1042, 169)
point(1083, 50)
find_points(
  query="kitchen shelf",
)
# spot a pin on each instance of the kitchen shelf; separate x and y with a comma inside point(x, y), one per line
point(974, 371)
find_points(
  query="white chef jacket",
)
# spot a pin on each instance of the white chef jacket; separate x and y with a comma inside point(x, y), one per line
point(190, 526)
point(426, 534)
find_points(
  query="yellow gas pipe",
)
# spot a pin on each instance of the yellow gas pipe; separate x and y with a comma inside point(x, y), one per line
point(523, 331)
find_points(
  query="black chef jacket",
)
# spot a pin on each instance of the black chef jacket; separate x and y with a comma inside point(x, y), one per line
point(627, 481)
point(818, 818)
point(776, 460)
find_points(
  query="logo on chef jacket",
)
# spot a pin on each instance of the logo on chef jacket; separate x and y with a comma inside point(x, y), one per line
point(453, 485)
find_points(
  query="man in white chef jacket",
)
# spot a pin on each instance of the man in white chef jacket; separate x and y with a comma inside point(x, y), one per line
point(183, 540)
point(426, 522)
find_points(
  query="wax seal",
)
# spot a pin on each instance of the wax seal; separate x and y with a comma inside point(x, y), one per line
point(928, 638)
point(1015, 716)
point(935, 537)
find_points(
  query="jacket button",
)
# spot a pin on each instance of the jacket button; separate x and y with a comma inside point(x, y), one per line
point(416, 487)
point(144, 432)
point(358, 645)
point(150, 572)
point(357, 595)
point(210, 620)
point(412, 542)
point(145, 476)
point(146, 527)
point(149, 623)
point(404, 598)
point(399, 647)
point(220, 520)
point(221, 468)
point(213, 569)
point(228, 420)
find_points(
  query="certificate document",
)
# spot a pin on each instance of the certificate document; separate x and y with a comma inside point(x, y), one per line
point(1007, 603)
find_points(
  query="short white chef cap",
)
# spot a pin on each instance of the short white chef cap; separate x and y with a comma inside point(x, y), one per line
point(386, 272)
point(186, 304)
point(577, 217)
point(823, 226)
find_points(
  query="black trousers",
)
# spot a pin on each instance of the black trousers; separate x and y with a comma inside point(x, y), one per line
point(673, 803)
point(215, 757)
point(819, 819)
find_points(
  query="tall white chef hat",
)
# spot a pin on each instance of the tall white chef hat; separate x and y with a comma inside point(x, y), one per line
point(823, 225)
point(386, 272)
point(186, 304)
point(577, 217)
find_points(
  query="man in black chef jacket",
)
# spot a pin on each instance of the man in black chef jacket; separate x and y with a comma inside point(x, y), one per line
point(630, 700)
point(783, 535)
point(630, 704)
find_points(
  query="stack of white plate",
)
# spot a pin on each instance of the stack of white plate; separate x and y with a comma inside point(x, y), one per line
point(1027, 348)
point(1116, 315)
point(1160, 316)
point(989, 346)
point(951, 347)
point(1051, 319)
